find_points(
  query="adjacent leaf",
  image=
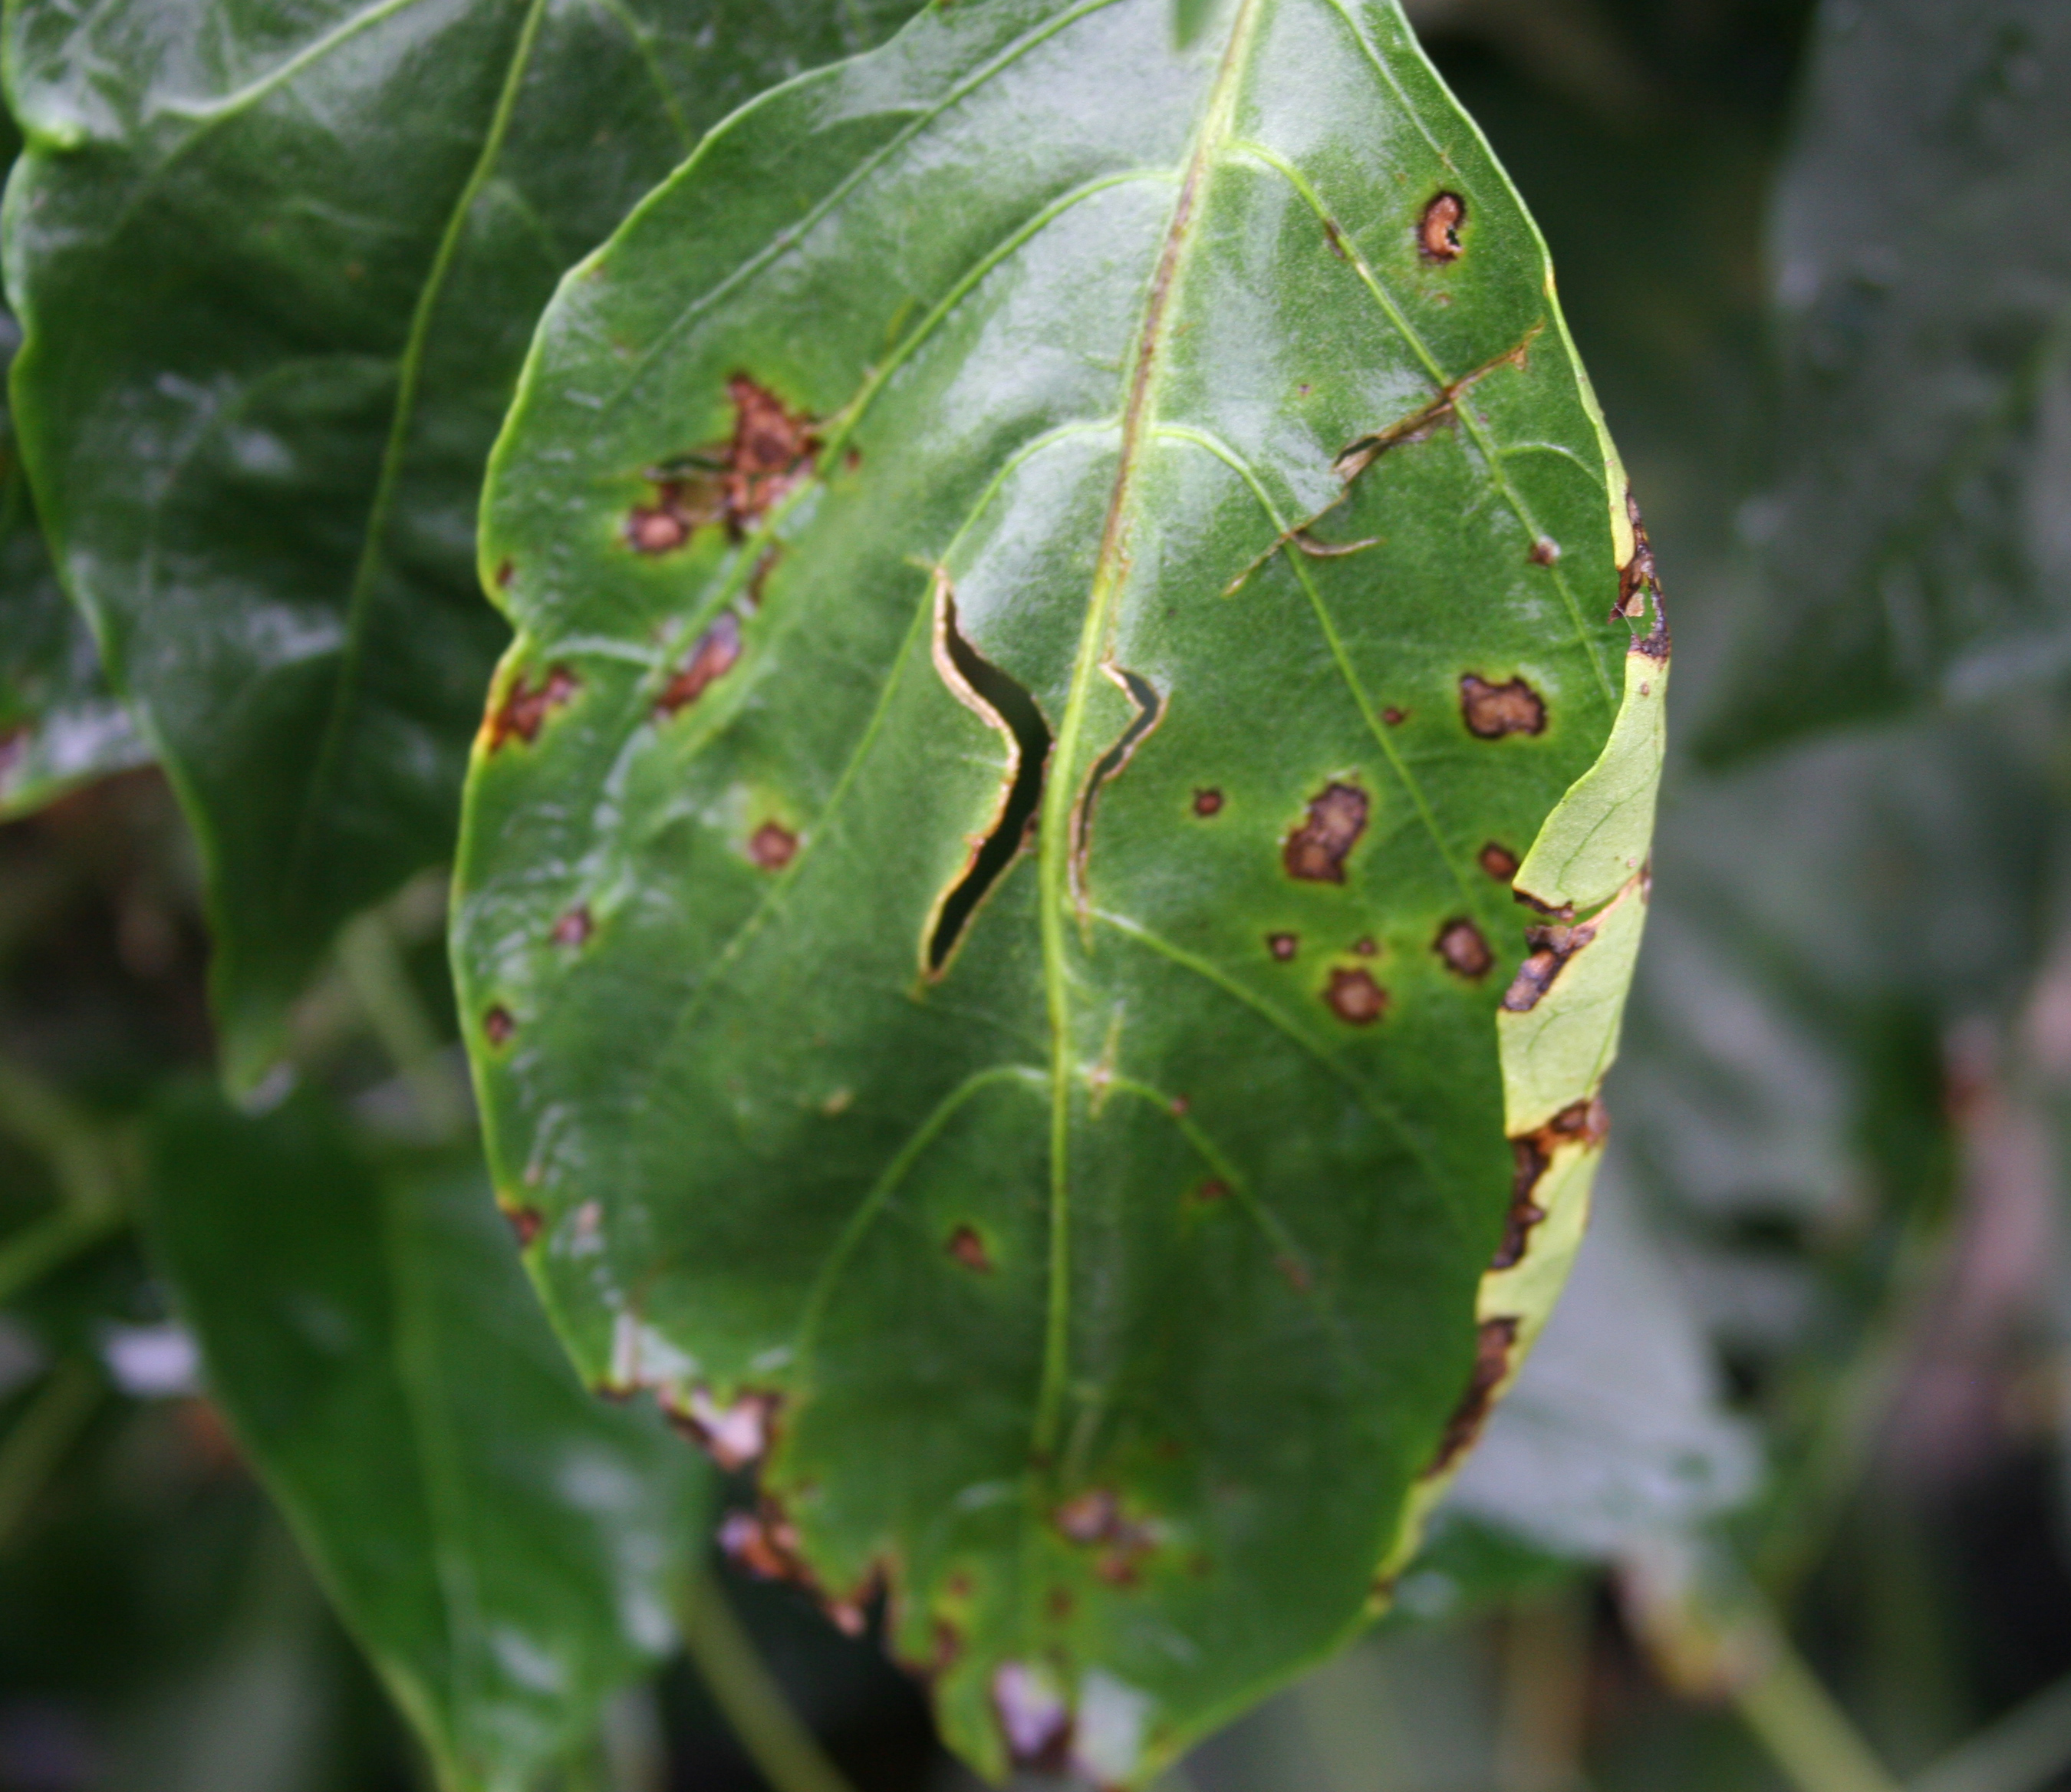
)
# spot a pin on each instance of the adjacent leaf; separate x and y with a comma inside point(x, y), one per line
point(505, 1546)
point(278, 265)
point(60, 725)
point(1919, 545)
point(1177, 453)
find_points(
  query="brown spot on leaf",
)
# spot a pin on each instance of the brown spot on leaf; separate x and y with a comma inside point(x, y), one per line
point(1208, 1193)
point(1354, 998)
point(1532, 1152)
point(1283, 946)
point(1492, 1347)
point(1058, 1601)
point(1438, 230)
point(773, 845)
point(712, 657)
point(573, 928)
point(1499, 862)
point(496, 1025)
point(968, 1249)
point(1461, 944)
point(1551, 947)
point(1296, 1273)
point(504, 571)
point(1545, 551)
point(1394, 717)
point(665, 525)
point(1336, 238)
point(1493, 710)
point(1316, 851)
point(1090, 1517)
point(524, 709)
point(1207, 803)
point(525, 1224)
point(1365, 947)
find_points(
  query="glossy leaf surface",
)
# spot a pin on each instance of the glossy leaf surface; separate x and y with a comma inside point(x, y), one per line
point(504, 1545)
point(278, 265)
point(1058, 578)
point(1918, 543)
point(59, 724)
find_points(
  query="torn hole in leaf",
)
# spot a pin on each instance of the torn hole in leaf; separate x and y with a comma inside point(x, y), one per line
point(1000, 703)
point(1150, 709)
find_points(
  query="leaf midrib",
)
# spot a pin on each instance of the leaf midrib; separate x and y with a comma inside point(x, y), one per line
point(1059, 796)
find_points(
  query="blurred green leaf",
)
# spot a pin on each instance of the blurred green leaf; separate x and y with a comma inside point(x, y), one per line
point(1919, 543)
point(59, 725)
point(277, 266)
point(1031, 423)
point(505, 1546)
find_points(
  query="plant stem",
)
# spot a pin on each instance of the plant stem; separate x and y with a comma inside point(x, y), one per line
point(2022, 1751)
point(1810, 1736)
point(54, 1418)
point(47, 1244)
point(782, 1749)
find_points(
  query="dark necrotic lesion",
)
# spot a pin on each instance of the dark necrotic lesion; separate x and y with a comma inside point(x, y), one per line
point(1016, 713)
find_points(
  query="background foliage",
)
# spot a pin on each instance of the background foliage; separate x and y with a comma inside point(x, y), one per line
point(1779, 1500)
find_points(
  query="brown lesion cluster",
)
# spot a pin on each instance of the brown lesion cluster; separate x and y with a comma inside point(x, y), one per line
point(737, 482)
point(1493, 1342)
point(523, 708)
point(1586, 1123)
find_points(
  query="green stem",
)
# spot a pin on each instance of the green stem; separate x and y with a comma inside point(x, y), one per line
point(37, 1444)
point(2022, 1751)
point(380, 984)
point(29, 1255)
point(1810, 1736)
point(782, 1749)
point(82, 1155)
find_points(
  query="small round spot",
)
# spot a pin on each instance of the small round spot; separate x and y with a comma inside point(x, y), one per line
point(1500, 863)
point(1215, 1189)
point(1545, 551)
point(1364, 947)
point(1464, 951)
point(1283, 946)
point(1394, 717)
point(968, 1249)
point(656, 531)
point(504, 570)
point(1207, 803)
point(1354, 998)
point(496, 1025)
point(573, 928)
point(773, 847)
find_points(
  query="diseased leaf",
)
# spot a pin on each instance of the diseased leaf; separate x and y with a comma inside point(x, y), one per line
point(505, 1546)
point(1919, 542)
point(1058, 579)
point(278, 265)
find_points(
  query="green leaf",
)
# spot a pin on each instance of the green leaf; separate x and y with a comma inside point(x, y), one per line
point(60, 725)
point(277, 266)
point(505, 1547)
point(1917, 544)
point(1177, 451)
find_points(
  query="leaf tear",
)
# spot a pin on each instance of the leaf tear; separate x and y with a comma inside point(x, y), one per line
point(1003, 705)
